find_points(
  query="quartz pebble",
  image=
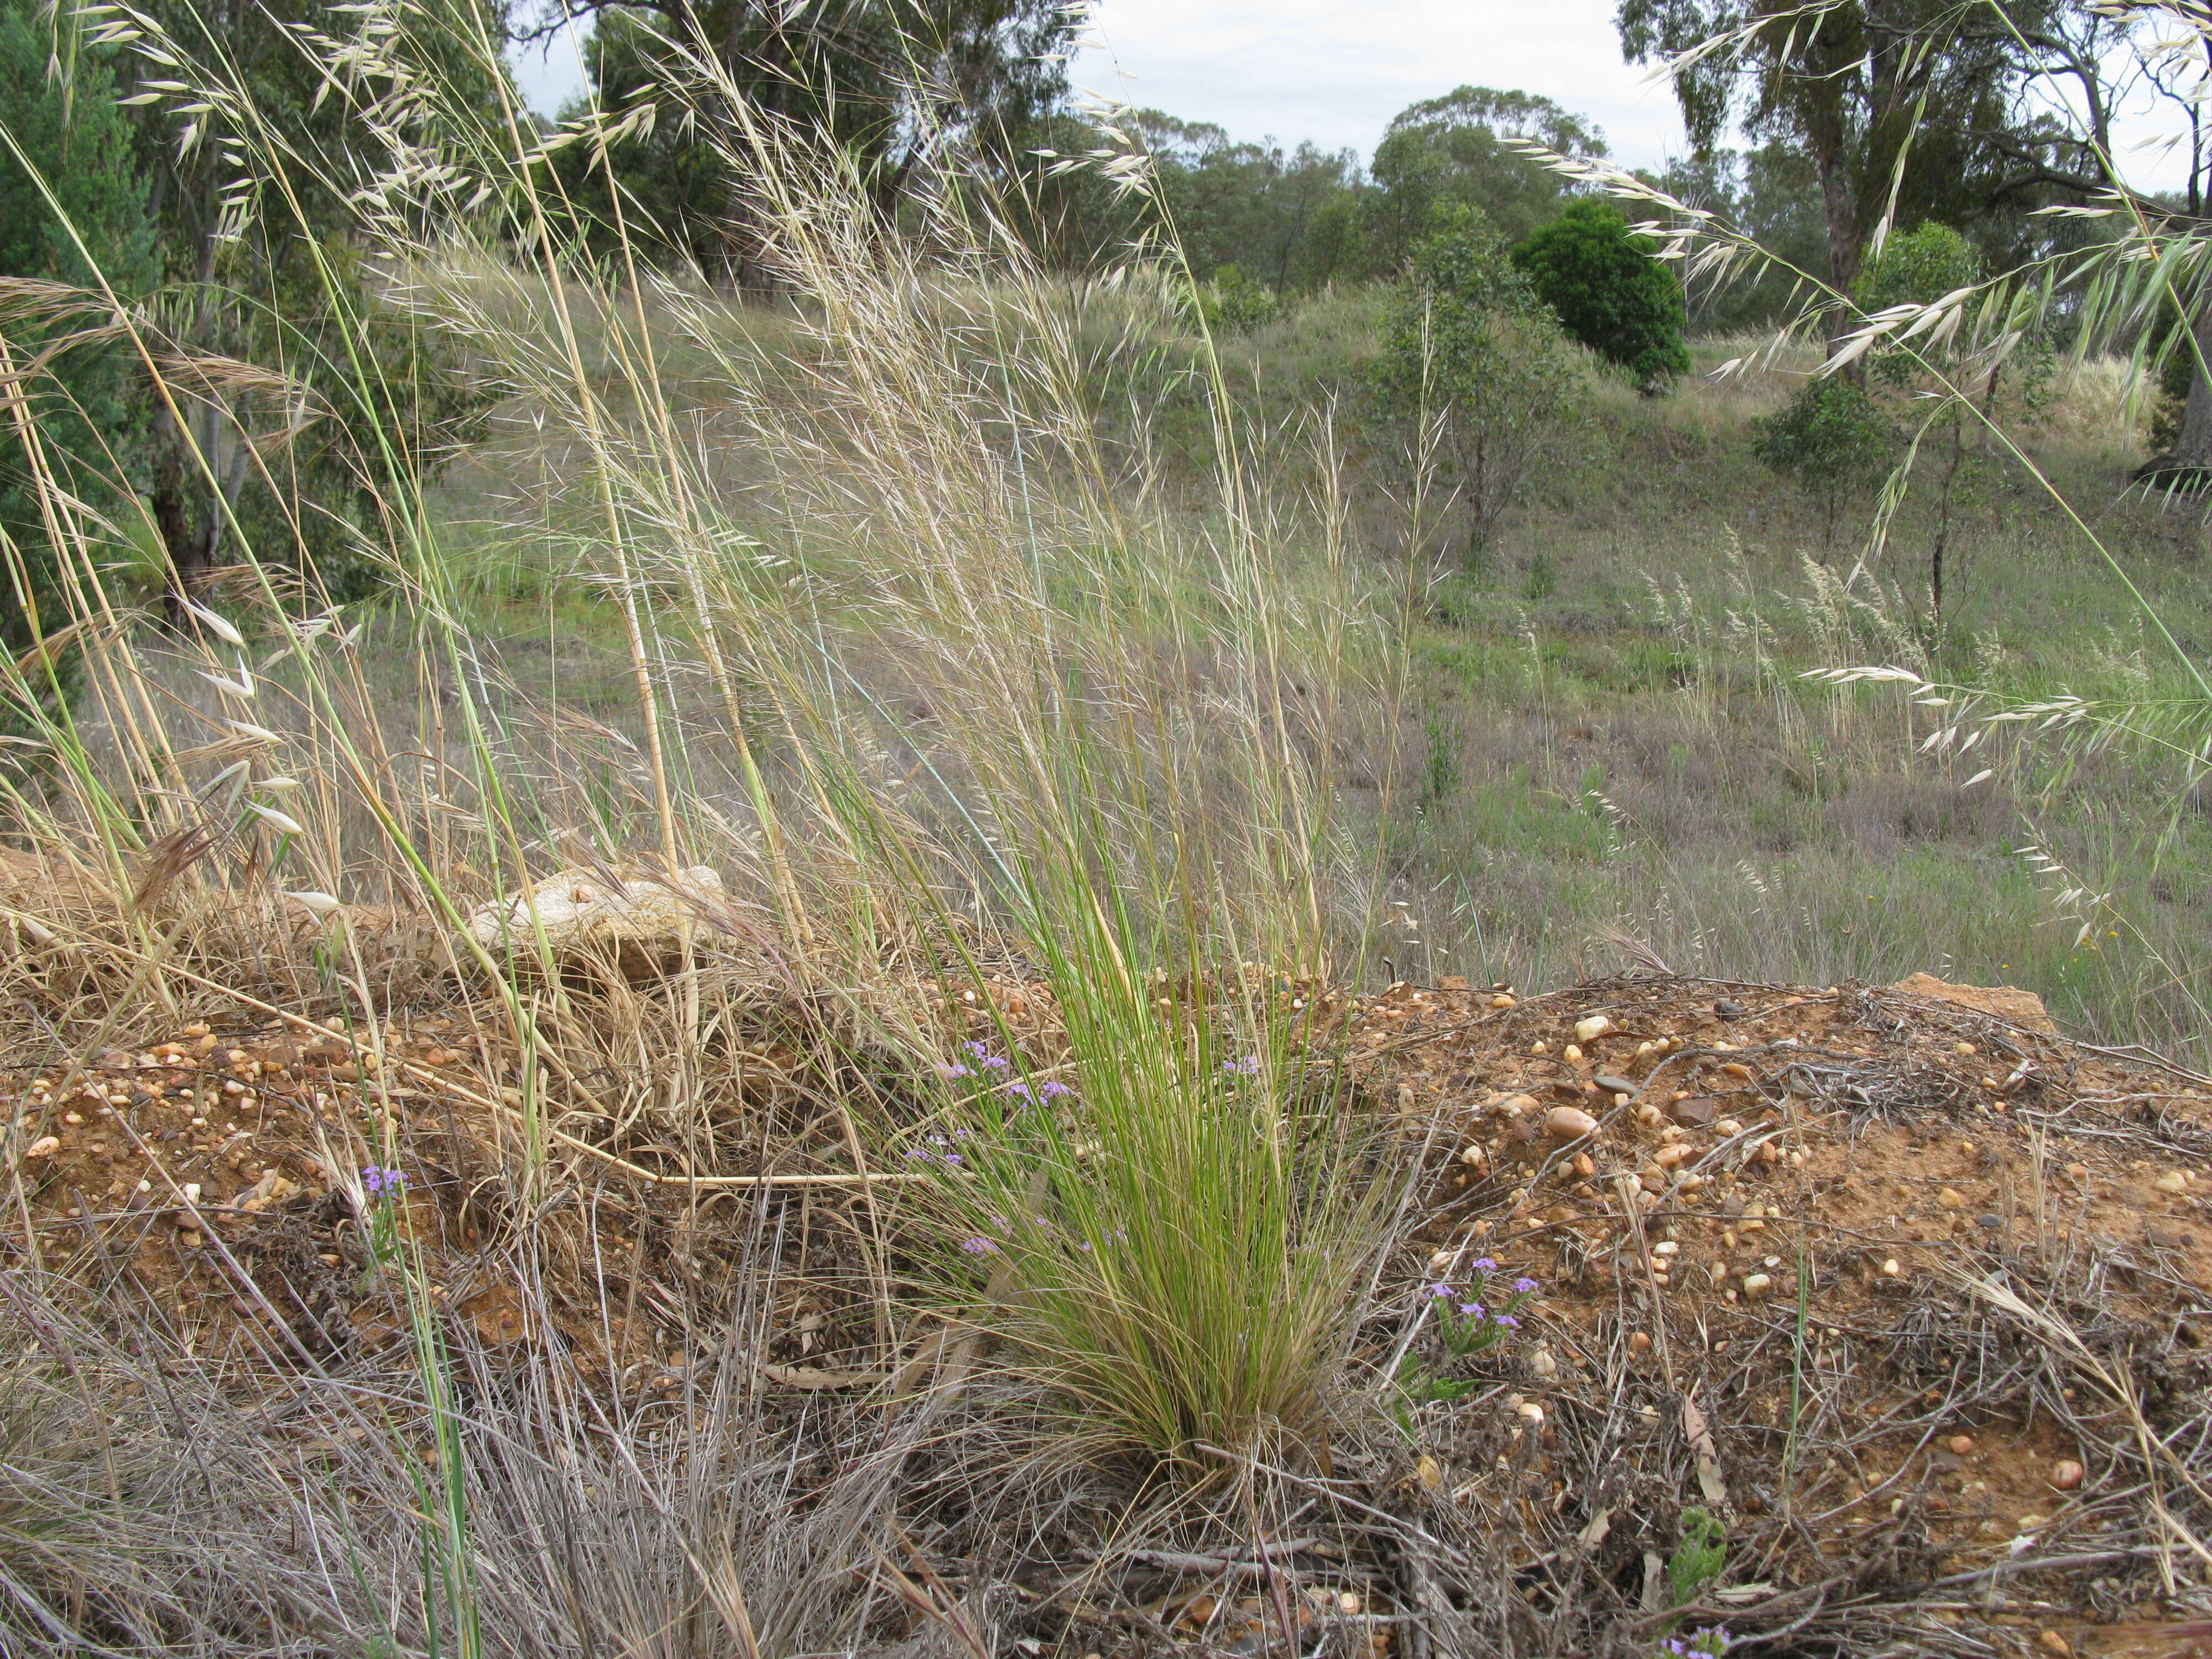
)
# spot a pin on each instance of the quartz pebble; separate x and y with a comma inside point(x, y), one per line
point(2173, 1180)
point(44, 1146)
point(1960, 1444)
point(1757, 1284)
point(1570, 1122)
point(1590, 1030)
point(2066, 1474)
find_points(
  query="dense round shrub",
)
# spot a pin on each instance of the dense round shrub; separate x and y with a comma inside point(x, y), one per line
point(1608, 292)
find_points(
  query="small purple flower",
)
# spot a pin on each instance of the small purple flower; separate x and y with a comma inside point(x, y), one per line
point(1472, 1309)
point(985, 1058)
point(1440, 1290)
point(380, 1179)
point(1485, 1265)
point(956, 1071)
point(1054, 1089)
point(1021, 1091)
point(979, 1245)
point(1509, 1322)
point(1247, 1067)
point(1525, 1286)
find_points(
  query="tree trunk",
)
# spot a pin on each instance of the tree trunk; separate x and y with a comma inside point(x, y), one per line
point(189, 544)
point(2188, 464)
point(2193, 446)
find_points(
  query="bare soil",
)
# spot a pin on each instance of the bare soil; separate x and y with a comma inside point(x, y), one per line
point(1905, 1290)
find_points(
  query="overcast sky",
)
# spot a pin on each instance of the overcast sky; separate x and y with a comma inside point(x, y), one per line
point(1337, 70)
point(1332, 70)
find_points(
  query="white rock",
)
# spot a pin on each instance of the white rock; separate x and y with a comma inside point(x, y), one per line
point(44, 1146)
point(1756, 1283)
point(1569, 1122)
point(640, 923)
point(1590, 1030)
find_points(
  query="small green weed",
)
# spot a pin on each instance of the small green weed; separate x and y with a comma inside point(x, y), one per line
point(1698, 1560)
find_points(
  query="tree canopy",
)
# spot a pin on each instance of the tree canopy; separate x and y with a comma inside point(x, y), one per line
point(1855, 86)
point(1456, 151)
point(881, 78)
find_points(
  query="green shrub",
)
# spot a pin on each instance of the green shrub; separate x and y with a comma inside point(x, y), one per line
point(75, 143)
point(1232, 303)
point(1918, 268)
point(1475, 380)
point(1608, 292)
point(1831, 439)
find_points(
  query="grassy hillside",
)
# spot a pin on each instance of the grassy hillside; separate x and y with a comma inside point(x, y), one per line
point(1607, 727)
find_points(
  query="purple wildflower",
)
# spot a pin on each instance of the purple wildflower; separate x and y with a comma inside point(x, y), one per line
point(1247, 1067)
point(1525, 1286)
point(1485, 1265)
point(1440, 1289)
point(380, 1179)
point(985, 1058)
point(1021, 1090)
point(1054, 1089)
point(1509, 1322)
point(979, 1245)
point(956, 1071)
point(1472, 1309)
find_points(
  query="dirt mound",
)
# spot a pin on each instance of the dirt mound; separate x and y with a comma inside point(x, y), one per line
point(2004, 1002)
point(1896, 1291)
point(1905, 1290)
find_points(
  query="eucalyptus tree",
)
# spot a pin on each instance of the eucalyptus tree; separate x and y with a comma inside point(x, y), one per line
point(885, 80)
point(1906, 110)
